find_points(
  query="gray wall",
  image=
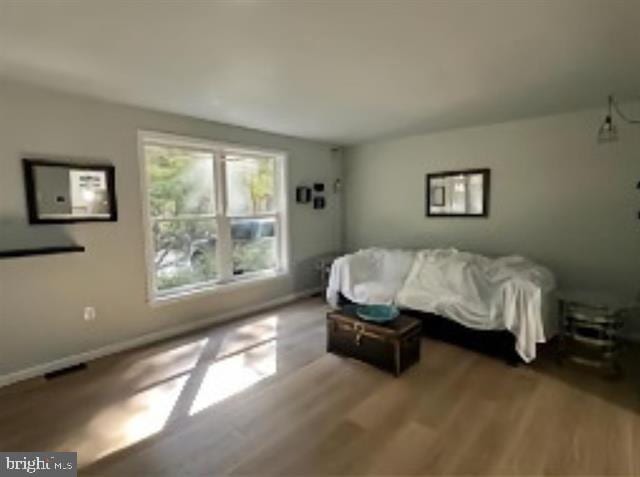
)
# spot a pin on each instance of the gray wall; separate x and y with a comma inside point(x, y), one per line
point(42, 298)
point(557, 196)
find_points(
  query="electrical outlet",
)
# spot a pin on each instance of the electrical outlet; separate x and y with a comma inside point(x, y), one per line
point(89, 313)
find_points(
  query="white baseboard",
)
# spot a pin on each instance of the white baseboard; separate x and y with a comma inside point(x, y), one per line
point(40, 369)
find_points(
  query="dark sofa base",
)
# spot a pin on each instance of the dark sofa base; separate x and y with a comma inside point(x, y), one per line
point(496, 343)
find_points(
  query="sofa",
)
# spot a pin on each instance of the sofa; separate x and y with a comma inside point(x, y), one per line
point(458, 294)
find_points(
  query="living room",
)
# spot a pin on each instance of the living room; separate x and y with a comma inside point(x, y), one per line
point(257, 197)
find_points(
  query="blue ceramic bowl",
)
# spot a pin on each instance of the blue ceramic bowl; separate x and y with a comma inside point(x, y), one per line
point(377, 313)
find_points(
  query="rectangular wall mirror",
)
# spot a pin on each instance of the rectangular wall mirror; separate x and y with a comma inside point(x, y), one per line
point(60, 192)
point(458, 193)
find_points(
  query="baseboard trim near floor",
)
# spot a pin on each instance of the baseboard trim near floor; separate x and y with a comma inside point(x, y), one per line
point(72, 360)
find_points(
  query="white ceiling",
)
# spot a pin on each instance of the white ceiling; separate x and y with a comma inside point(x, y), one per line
point(340, 71)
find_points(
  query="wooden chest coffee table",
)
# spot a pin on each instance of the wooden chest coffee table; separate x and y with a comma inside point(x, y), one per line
point(392, 346)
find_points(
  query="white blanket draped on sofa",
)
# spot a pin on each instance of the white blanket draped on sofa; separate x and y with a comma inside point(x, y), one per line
point(476, 291)
point(371, 276)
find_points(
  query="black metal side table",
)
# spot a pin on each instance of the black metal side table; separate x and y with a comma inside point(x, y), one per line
point(323, 265)
point(591, 323)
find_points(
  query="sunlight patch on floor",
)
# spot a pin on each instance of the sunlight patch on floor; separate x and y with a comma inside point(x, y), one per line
point(166, 364)
point(246, 356)
point(126, 422)
point(249, 335)
point(233, 374)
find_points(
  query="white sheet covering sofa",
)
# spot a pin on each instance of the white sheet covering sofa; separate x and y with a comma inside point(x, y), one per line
point(483, 293)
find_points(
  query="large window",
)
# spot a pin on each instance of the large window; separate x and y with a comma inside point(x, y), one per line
point(215, 214)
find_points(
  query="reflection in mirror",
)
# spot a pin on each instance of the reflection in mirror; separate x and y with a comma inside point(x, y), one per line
point(71, 193)
point(59, 192)
point(458, 194)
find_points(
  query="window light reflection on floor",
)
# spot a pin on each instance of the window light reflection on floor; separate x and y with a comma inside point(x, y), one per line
point(166, 364)
point(248, 335)
point(154, 408)
point(236, 372)
point(159, 383)
point(126, 422)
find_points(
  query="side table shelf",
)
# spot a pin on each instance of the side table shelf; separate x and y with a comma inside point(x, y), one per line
point(590, 333)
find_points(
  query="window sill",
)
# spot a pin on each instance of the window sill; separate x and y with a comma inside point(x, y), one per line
point(214, 288)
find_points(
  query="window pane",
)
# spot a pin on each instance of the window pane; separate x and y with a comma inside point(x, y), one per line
point(254, 245)
point(250, 185)
point(180, 181)
point(185, 252)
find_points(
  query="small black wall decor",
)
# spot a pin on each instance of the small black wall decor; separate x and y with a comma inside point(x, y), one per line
point(303, 195)
point(62, 192)
point(313, 194)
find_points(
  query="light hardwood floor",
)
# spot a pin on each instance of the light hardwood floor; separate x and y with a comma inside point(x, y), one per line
point(260, 396)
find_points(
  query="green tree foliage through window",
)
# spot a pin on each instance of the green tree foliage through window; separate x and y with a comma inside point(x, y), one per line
point(260, 184)
point(181, 181)
point(184, 225)
point(180, 193)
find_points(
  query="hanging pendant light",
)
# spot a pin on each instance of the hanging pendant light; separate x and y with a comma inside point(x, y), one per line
point(608, 131)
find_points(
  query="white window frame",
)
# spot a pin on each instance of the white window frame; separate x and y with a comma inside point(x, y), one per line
point(226, 280)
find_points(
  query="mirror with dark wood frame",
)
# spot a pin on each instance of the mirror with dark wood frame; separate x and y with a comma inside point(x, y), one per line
point(458, 193)
point(61, 192)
